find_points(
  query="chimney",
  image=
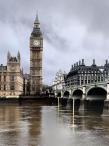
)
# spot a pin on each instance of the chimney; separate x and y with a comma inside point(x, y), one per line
point(93, 61)
point(106, 61)
point(74, 65)
point(82, 61)
point(79, 62)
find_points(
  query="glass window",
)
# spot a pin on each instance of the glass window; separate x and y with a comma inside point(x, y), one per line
point(4, 87)
point(12, 78)
point(4, 78)
point(12, 87)
point(33, 88)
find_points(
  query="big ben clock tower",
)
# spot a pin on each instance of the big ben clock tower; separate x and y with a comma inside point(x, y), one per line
point(36, 48)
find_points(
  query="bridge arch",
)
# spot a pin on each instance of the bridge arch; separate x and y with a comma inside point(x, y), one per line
point(96, 93)
point(66, 94)
point(59, 94)
point(77, 93)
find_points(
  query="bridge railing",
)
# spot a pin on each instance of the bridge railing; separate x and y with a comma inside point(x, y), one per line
point(88, 84)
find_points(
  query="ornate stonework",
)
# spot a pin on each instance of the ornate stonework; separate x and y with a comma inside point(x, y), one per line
point(11, 77)
point(36, 48)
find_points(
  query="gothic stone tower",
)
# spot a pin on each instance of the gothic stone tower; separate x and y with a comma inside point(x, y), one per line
point(36, 48)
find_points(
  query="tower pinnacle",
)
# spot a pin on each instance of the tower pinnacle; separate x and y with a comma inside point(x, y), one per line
point(18, 56)
point(37, 18)
point(8, 56)
point(36, 22)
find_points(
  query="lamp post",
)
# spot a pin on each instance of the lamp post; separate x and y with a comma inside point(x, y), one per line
point(73, 125)
point(73, 111)
point(58, 103)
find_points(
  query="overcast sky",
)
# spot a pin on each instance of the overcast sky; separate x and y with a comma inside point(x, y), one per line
point(72, 30)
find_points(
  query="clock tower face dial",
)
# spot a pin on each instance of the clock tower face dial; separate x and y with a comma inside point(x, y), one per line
point(36, 43)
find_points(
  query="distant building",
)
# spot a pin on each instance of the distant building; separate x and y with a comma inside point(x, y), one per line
point(11, 77)
point(59, 81)
point(80, 74)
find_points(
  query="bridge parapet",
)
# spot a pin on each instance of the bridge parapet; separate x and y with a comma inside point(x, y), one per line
point(84, 89)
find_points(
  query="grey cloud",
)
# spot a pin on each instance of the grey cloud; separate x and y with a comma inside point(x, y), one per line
point(60, 43)
point(92, 13)
point(73, 29)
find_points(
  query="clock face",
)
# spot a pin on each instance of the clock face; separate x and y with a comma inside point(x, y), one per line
point(36, 43)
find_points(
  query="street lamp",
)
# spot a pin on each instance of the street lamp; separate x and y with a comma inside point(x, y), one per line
point(73, 125)
point(58, 103)
point(73, 112)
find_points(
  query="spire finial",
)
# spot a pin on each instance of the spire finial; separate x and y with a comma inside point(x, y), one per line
point(18, 56)
point(8, 54)
point(37, 18)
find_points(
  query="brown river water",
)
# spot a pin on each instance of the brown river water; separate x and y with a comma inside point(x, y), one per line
point(44, 125)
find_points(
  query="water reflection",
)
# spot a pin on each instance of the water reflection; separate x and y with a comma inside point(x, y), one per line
point(20, 125)
point(42, 125)
point(96, 106)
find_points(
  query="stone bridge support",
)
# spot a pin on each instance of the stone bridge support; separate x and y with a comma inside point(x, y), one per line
point(107, 91)
point(70, 91)
point(62, 93)
point(93, 89)
point(55, 93)
point(84, 93)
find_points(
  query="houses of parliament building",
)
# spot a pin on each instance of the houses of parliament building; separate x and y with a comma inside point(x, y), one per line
point(13, 82)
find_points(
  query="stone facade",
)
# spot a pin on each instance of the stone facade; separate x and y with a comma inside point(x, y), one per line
point(11, 77)
point(26, 85)
point(12, 81)
point(36, 48)
point(80, 74)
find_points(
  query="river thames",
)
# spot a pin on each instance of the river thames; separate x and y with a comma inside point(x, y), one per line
point(43, 125)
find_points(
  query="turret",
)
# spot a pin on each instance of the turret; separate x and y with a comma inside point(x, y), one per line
point(18, 56)
point(93, 62)
point(36, 29)
point(79, 63)
point(8, 56)
point(106, 62)
point(36, 22)
point(83, 62)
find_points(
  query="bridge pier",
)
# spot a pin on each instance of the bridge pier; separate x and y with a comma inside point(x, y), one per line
point(107, 91)
point(55, 93)
point(62, 93)
point(84, 93)
point(76, 103)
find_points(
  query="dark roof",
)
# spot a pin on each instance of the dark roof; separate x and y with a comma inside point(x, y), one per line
point(82, 68)
point(13, 59)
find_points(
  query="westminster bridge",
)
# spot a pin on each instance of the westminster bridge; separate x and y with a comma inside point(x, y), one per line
point(98, 91)
point(95, 91)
